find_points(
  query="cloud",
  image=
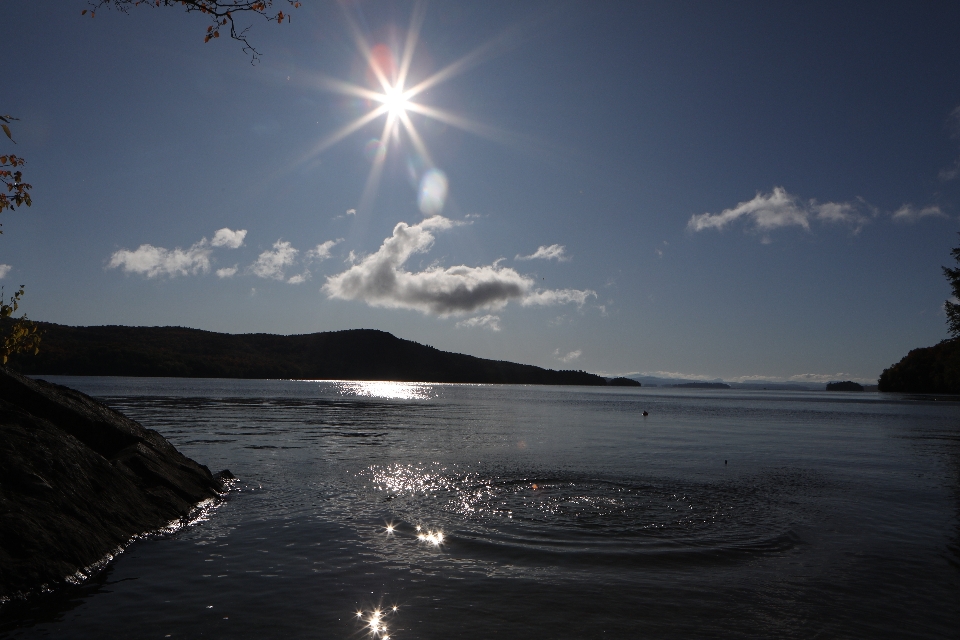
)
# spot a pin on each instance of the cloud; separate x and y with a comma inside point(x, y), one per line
point(569, 357)
point(380, 280)
point(271, 264)
point(839, 213)
point(227, 272)
point(152, 261)
point(229, 239)
point(490, 322)
point(299, 278)
point(4, 270)
point(551, 297)
point(553, 252)
point(778, 209)
point(909, 213)
point(351, 212)
point(322, 252)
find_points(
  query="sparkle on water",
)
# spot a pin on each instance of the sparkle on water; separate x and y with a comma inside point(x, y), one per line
point(385, 389)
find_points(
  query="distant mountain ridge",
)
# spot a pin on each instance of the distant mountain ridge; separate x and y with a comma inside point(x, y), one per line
point(356, 354)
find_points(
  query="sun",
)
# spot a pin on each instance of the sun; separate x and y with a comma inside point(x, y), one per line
point(395, 102)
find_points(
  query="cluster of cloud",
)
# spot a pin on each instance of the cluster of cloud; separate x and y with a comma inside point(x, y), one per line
point(380, 280)
point(909, 213)
point(151, 261)
point(567, 357)
point(777, 209)
point(273, 263)
point(553, 252)
point(4, 270)
point(488, 321)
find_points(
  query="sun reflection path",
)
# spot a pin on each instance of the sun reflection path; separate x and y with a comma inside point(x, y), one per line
point(385, 389)
point(392, 96)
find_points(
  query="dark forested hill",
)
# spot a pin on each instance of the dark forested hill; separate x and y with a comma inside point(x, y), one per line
point(933, 369)
point(358, 354)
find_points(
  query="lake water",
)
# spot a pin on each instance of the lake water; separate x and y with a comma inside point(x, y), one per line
point(536, 512)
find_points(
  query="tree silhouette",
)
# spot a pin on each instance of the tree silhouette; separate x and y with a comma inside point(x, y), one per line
point(953, 308)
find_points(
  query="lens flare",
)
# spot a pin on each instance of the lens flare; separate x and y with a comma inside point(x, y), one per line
point(433, 192)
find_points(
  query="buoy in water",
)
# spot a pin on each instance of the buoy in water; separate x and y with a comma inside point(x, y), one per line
point(645, 414)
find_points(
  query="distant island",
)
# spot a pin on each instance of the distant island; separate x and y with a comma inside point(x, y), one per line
point(847, 385)
point(357, 354)
point(623, 382)
point(702, 385)
point(933, 369)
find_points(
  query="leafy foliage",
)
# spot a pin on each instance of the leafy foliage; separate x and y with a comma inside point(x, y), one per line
point(17, 191)
point(953, 308)
point(220, 12)
point(21, 335)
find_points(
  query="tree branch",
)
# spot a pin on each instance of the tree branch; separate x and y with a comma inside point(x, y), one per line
point(220, 12)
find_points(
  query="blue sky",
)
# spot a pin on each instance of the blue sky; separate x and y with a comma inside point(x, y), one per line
point(731, 191)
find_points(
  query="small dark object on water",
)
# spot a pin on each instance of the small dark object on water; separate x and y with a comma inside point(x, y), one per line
point(724, 462)
point(645, 414)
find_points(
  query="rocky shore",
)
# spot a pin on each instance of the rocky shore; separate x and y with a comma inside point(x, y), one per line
point(78, 481)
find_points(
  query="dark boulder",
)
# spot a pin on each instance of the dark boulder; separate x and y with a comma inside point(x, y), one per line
point(78, 481)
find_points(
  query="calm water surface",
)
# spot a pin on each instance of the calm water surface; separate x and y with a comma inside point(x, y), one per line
point(536, 512)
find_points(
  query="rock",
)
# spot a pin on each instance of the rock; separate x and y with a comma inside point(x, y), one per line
point(847, 385)
point(78, 481)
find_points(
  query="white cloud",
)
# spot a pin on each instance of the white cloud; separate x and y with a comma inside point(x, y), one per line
point(568, 357)
point(767, 212)
point(380, 280)
point(779, 209)
point(299, 278)
point(4, 270)
point(550, 297)
point(322, 251)
point(553, 252)
point(351, 212)
point(909, 213)
point(228, 238)
point(227, 272)
point(490, 322)
point(839, 213)
point(271, 264)
point(152, 261)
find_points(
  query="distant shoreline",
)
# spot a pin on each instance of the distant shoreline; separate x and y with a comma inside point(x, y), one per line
point(356, 354)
